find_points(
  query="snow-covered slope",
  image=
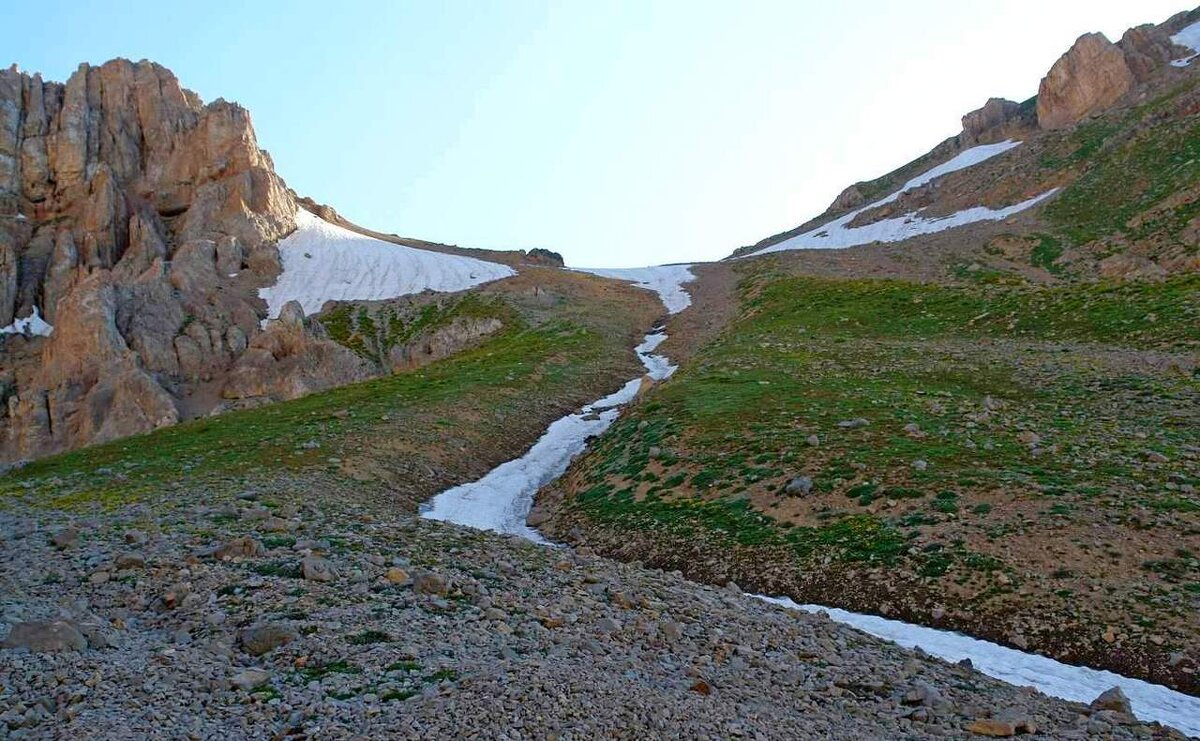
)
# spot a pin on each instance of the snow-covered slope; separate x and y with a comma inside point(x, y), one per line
point(33, 324)
point(325, 262)
point(665, 280)
point(1189, 37)
point(836, 234)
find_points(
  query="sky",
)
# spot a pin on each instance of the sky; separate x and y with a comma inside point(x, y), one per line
point(619, 133)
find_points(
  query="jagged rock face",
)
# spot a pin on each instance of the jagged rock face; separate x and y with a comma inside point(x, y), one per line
point(141, 223)
point(1090, 77)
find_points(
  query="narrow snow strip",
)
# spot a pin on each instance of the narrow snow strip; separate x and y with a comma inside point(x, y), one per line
point(665, 280)
point(325, 262)
point(836, 234)
point(500, 501)
point(33, 324)
point(961, 161)
point(1076, 683)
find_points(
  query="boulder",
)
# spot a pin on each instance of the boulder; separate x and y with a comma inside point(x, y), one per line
point(1112, 699)
point(48, 636)
point(260, 639)
point(315, 568)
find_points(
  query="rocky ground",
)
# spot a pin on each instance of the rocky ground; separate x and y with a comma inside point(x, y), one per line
point(286, 609)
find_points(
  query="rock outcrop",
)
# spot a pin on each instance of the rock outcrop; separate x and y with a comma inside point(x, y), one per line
point(1096, 74)
point(997, 120)
point(1089, 78)
point(140, 222)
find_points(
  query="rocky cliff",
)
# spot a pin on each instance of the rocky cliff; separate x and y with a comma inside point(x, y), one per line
point(139, 222)
point(1096, 74)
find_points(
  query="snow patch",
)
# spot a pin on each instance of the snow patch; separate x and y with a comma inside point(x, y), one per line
point(325, 262)
point(665, 280)
point(1076, 683)
point(1189, 37)
point(33, 324)
point(837, 234)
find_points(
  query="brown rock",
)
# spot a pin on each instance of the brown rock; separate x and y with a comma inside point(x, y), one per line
point(427, 582)
point(993, 728)
point(1091, 77)
point(1112, 699)
point(244, 547)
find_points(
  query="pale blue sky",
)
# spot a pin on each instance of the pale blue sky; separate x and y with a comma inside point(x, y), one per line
point(618, 133)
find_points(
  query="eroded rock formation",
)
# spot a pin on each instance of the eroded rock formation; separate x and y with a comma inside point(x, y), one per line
point(140, 222)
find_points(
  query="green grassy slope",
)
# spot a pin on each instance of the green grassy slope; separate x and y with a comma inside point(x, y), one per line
point(1000, 422)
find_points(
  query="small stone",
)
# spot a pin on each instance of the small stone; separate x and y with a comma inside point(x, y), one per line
point(65, 538)
point(129, 561)
point(278, 525)
point(799, 486)
point(243, 547)
point(261, 639)
point(913, 430)
point(607, 625)
point(853, 424)
point(1028, 437)
point(248, 679)
point(813, 441)
point(428, 582)
point(315, 568)
point(398, 576)
point(1112, 699)
point(920, 465)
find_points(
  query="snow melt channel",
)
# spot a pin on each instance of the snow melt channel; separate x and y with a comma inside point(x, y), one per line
point(837, 234)
point(325, 262)
point(1075, 683)
point(500, 501)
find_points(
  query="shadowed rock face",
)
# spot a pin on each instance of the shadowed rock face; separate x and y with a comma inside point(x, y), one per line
point(140, 222)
